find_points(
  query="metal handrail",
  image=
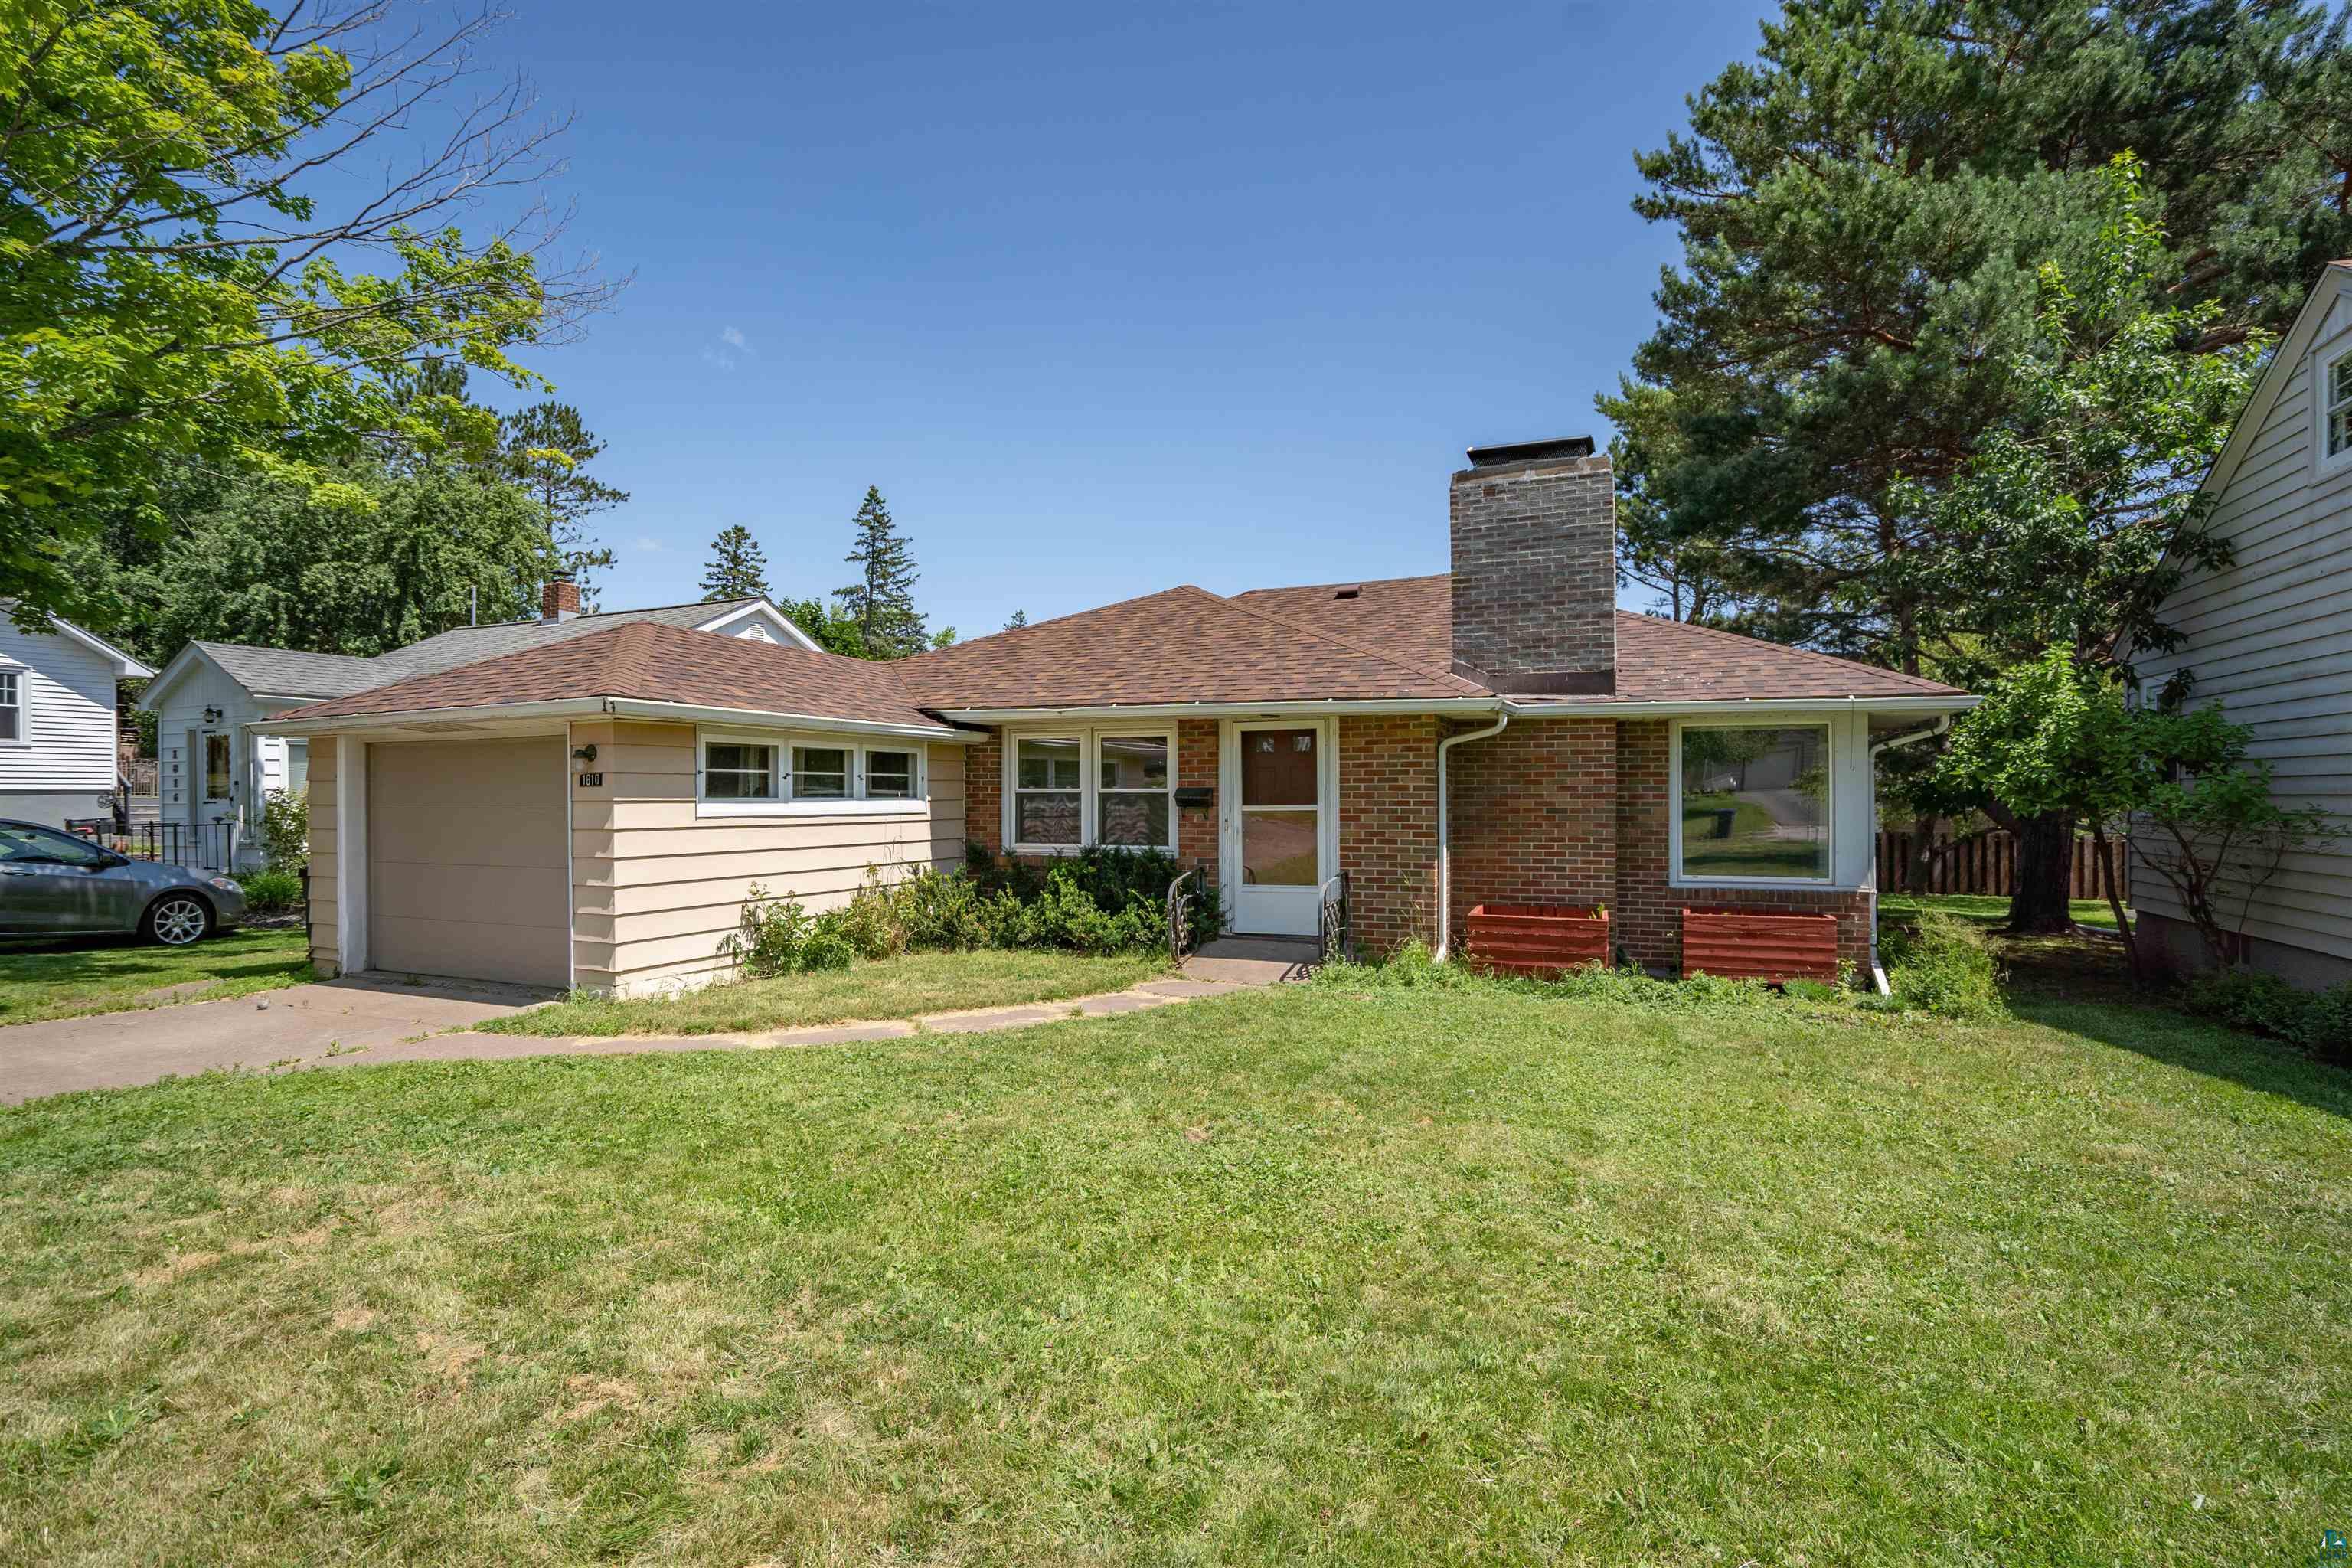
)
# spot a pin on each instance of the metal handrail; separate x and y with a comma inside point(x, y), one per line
point(1180, 917)
point(1334, 936)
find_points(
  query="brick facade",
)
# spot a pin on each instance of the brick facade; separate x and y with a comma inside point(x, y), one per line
point(1535, 573)
point(1647, 920)
point(1533, 818)
point(1388, 827)
point(1561, 810)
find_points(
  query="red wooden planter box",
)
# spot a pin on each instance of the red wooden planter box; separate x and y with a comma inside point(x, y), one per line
point(1540, 939)
point(1734, 945)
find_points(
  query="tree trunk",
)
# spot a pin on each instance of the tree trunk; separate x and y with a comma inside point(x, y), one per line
point(2045, 857)
point(1925, 831)
point(2144, 973)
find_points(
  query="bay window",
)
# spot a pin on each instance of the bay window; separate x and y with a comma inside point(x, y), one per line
point(1113, 787)
point(1751, 803)
point(741, 775)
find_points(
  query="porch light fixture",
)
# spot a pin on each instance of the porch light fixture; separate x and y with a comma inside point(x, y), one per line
point(211, 715)
point(586, 753)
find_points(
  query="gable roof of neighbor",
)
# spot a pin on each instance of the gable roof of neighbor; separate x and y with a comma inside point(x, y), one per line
point(654, 662)
point(2334, 277)
point(125, 667)
point(285, 672)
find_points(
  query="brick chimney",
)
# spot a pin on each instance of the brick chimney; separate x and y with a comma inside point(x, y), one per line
point(1534, 569)
point(558, 599)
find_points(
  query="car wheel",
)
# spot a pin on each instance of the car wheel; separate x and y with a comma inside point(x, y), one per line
point(175, 919)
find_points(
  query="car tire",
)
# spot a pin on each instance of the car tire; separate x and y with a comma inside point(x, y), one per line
point(177, 919)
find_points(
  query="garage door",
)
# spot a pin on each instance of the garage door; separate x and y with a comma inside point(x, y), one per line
point(466, 843)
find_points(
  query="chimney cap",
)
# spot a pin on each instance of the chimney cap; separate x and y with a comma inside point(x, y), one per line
point(1530, 451)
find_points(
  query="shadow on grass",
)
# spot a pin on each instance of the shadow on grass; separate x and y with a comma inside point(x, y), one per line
point(2163, 1034)
point(33, 970)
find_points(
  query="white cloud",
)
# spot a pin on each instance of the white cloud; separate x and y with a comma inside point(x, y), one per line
point(734, 339)
point(645, 545)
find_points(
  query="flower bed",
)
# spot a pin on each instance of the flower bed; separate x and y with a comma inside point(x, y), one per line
point(1539, 939)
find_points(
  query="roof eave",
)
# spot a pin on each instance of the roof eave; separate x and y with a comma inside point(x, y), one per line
point(775, 719)
point(1584, 707)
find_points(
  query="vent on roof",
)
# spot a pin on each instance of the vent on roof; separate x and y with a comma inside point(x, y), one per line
point(1349, 590)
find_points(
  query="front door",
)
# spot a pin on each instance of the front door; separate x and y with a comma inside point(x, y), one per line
point(1279, 846)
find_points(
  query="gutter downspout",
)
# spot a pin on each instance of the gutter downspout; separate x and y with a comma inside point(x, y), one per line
point(1942, 725)
point(1445, 851)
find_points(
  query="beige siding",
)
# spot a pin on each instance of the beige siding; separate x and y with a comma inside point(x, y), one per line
point(324, 861)
point(657, 890)
point(465, 859)
point(2271, 638)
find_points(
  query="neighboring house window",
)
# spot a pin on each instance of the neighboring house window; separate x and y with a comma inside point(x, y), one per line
point(298, 766)
point(2335, 407)
point(781, 777)
point(1752, 802)
point(819, 772)
point(217, 783)
point(1112, 787)
point(1131, 799)
point(12, 705)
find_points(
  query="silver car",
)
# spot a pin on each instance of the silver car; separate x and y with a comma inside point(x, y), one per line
point(55, 884)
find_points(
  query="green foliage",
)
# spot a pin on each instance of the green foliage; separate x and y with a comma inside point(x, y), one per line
point(2076, 516)
point(1945, 967)
point(777, 936)
point(286, 828)
point(881, 601)
point(388, 558)
point(830, 627)
point(175, 289)
point(1412, 967)
point(546, 449)
point(1865, 208)
point(738, 567)
point(273, 891)
point(2320, 1022)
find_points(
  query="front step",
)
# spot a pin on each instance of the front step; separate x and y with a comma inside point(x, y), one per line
point(1255, 960)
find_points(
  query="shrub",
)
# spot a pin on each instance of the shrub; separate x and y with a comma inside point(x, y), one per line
point(769, 936)
point(271, 892)
point(1113, 878)
point(1945, 967)
point(2320, 1022)
point(286, 829)
point(871, 922)
point(938, 912)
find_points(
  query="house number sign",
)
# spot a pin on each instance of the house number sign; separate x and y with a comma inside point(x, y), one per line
point(591, 781)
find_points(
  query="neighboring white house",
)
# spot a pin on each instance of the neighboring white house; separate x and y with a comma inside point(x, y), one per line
point(2270, 638)
point(214, 772)
point(58, 724)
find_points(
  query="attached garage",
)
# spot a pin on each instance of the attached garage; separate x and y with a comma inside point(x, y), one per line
point(466, 850)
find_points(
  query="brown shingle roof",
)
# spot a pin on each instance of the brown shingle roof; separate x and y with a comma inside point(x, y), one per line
point(1657, 660)
point(1185, 645)
point(652, 662)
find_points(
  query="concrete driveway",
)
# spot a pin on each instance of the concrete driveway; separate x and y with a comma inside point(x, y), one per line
point(301, 1022)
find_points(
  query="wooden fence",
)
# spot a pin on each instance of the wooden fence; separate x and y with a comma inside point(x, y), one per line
point(1987, 863)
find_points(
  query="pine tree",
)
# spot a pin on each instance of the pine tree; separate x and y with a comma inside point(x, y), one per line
point(1016, 620)
point(738, 569)
point(881, 602)
point(547, 449)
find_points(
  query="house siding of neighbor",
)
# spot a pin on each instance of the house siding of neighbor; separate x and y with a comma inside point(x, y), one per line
point(2269, 637)
point(61, 759)
point(1500, 734)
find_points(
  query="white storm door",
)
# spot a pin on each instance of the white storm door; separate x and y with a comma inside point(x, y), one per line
point(1279, 839)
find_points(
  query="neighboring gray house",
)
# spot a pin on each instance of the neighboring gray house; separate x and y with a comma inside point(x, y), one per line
point(2271, 637)
point(214, 770)
point(57, 721)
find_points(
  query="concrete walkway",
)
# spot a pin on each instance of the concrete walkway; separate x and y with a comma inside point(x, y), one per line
point(373, 1019)
point(273, 1028)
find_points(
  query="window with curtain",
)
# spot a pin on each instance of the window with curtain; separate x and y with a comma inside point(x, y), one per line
point(217, 771)
point(1133, 805)
point(1047, 808)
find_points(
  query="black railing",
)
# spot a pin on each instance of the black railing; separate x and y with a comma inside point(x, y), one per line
point(1333, 931)
point(1179, 918)
point(206, 844)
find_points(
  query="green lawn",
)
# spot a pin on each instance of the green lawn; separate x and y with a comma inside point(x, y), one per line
point(894, 988)
point(1985, 909)
point(69, 979)
point(1303, 1273)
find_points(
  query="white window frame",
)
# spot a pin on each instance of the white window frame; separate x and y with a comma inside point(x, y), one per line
point(1089, 739)
point(1832, 754)
point(2322, 376)
point(782, 805)
point(23, 680)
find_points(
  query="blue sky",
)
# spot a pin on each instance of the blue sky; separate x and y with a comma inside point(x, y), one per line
point(1103, 299)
